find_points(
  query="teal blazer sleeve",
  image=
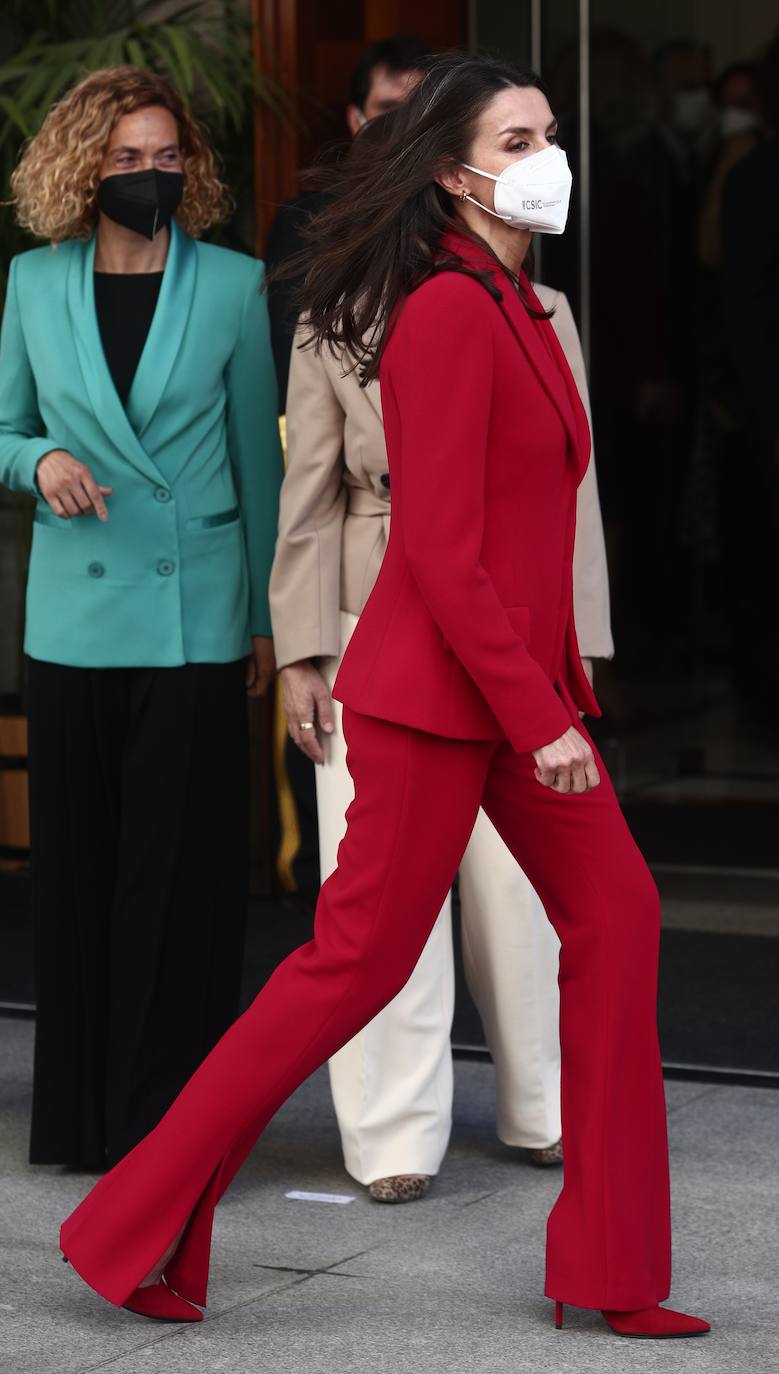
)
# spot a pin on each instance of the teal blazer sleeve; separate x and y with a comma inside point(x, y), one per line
point(21, 427)
point(254, 445)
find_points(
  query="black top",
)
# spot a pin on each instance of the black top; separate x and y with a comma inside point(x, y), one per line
point(125, 304)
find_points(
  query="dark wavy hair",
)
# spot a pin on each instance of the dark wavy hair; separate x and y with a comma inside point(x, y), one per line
point(378, 238)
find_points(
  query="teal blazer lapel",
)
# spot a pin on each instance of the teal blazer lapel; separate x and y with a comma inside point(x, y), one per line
point(166, 333)
point(108, 410)
point(125, 427)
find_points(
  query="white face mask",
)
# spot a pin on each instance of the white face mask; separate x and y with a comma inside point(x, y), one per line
point(533, 192)
point(734, 120)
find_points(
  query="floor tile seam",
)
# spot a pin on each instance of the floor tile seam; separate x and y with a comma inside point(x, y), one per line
point(443, 1213)
point(131, 1353)
point(382, 1245)
point(186, 1330)
point(423, 1240)
point(433, 1228)
point(536, 1236)
point(765, 1096)
point(359, 1254)
point(704, 1092)
point(314, 1271)
point(271, 1292)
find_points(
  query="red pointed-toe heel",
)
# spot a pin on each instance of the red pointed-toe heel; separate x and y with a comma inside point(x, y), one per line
point(648, 1323)
point(655, 1323)
point(161, 1304)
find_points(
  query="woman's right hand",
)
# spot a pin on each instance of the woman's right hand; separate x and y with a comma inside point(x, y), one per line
point(69, 487)
point(568, 764)
point(307, 700)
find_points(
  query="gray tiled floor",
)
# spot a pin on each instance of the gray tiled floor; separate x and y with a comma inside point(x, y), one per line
point(452, 1284)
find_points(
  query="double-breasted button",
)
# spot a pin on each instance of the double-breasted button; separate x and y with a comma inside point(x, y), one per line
point(95, 569)
point(165, 567)
point(162, 494)
point(385, 479)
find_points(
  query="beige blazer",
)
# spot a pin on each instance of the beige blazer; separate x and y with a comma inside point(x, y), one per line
point(335, 506)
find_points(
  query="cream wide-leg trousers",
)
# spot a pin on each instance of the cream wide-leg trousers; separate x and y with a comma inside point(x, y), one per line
point(392, 1084)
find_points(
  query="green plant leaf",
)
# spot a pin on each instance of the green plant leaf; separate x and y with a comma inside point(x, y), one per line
point(135, 52)
point(17, 116)
point(181, 47)
point(203, 47)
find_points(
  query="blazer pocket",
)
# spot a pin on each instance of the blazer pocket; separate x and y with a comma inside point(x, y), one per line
point(212, 522)
point(520, 621)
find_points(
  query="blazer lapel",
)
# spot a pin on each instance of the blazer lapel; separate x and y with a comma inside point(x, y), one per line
point(166, 333)
point(549, 368)
point(583, 436)
point(108, 410)
point(540, 345)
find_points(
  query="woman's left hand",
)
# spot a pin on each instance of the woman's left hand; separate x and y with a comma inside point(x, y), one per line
point(260, 666)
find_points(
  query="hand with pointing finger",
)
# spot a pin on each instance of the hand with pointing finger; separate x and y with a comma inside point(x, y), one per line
point(69, 487)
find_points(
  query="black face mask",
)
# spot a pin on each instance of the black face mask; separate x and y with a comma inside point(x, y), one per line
point(142, 201)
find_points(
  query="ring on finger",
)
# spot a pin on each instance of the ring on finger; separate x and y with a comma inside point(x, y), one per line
point(306, 725)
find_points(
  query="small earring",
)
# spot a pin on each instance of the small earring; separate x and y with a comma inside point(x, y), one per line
point(463, 195)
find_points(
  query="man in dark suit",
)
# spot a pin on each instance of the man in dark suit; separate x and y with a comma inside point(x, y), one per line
point(383, 77)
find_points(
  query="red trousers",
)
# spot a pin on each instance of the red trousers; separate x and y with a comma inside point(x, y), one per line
point(416, 799)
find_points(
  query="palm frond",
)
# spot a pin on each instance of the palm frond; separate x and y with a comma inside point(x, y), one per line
point(208, 57)
point(206, 53)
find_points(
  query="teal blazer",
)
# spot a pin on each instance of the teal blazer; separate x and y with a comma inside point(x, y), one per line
point(179, 573)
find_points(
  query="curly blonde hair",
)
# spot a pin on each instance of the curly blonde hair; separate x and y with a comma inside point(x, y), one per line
point(55, 182)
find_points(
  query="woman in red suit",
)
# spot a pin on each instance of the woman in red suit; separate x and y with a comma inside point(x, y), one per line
point(462, 687)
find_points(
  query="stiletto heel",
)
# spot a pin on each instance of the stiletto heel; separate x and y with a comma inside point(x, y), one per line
point(558, 1315)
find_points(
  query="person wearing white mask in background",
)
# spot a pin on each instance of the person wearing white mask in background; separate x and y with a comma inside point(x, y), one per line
point(687, 117)
point(736, 97)
point(392, 1084)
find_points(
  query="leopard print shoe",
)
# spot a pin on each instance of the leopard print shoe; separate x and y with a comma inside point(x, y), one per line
point(548, 1154)
point(400, 1188)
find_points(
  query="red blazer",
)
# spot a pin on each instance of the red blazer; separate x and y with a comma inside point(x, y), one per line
point(469, 629)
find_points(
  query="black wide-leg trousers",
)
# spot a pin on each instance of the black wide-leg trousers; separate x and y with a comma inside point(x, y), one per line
point(139, 828)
